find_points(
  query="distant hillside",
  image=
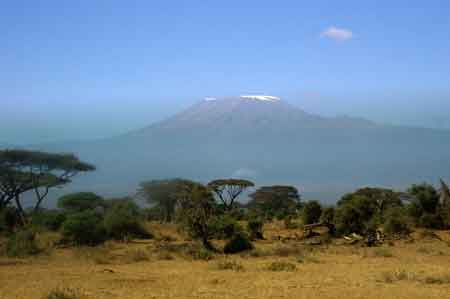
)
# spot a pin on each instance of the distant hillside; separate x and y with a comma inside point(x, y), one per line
point(268, 141)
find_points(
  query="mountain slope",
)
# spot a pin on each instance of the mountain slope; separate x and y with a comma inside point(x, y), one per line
point(268, 141)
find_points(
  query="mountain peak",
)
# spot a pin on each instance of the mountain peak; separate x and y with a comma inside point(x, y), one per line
point(257, 97)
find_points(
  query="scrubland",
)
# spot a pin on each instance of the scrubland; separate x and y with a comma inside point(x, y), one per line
point(282, 266)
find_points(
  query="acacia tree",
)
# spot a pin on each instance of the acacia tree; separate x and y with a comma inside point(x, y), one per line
point(164, 194)
point(24, 170)
point(228, 190)
point(275, 200)
point(197, 211)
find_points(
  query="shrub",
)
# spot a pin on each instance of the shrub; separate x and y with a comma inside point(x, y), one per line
point(225, 227)
point(431, 221)
point(255, 228)
point(327, 215)
point(239, 243)
point(354, 215)
point(396, 222)
point(22, 243)
point(51, 220)
point(63, 293)
point(122, 221)
point(311, 212)
point(199, 253)
point(84, 228)
point(282, 266)
point(9, 219)
point(81, 201)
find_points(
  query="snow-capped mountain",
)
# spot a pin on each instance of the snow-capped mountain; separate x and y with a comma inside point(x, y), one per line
point(269, 141)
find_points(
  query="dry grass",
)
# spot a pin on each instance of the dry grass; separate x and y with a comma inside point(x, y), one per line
point(142, 269)
point(278, 266)
point(229, 265)
point(64, 293)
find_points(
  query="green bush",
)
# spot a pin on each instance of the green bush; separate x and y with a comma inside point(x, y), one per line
point(328, 215)
point(355, 215)
point(311, 212)
point(122, 221)
point(81, 201)
point(239, 243)
point(255, 228)
point(225, 227)
point(22, 243)
point(84, 228)
point(431, 221)
point(396, 222)
point(9, 219)
point(51, 219)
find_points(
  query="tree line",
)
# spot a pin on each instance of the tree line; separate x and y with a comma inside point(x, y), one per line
point(203, 211)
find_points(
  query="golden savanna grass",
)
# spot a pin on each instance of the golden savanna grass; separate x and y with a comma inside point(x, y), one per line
point(279, 267)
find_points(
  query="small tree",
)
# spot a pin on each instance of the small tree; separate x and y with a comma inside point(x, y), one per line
point(396, 222)
point(424, 205)
point(255, 228)
point(311, 212)
point(198, 212)
point(228, 190)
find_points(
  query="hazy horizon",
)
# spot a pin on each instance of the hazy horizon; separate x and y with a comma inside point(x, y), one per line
point(90, 70)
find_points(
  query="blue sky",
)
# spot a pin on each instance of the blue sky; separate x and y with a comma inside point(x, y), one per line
point(87, 69)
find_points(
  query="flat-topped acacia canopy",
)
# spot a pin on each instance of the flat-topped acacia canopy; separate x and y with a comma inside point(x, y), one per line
point(25, 170)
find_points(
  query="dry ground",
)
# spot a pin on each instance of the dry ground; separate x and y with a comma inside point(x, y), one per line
point(418, 268)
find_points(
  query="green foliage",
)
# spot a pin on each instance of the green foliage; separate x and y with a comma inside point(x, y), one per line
point(396, 222)
point(163, 195)
point(381, 199)
point(328, 215)
point(78, 202)
point(23, 170)
point(122, 221)
point(311, 212)
point(444, 208)
point(153, 214)
point(49, 219)
point(431, 221)
point(255, 228)
point(224, 227)
point(84, 228)
point(198, 212)
point(425, 199)
point(275, 201)
point(354, 215)
point(22, 243)
point(9, 219)
point(239, 243)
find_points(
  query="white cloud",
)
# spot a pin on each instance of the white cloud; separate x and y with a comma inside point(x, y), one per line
point(339, 34)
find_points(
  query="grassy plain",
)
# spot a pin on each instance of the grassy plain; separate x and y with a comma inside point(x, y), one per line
point(280, 267)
